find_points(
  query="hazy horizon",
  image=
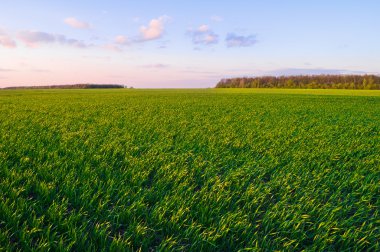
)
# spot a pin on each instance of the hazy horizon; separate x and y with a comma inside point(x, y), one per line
point(192, 44)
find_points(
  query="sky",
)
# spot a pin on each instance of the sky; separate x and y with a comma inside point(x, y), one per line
point(183, 44)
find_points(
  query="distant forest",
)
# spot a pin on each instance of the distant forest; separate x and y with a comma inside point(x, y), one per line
point(74, 86)
point(304, 81)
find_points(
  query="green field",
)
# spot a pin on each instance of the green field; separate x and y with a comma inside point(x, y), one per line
point(190, 170)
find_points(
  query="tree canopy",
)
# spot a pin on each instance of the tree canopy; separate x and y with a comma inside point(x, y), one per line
point(73, 86)
point(304, 81)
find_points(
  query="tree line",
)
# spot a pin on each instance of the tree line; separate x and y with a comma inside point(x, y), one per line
point(304, 81)
point(74, 86)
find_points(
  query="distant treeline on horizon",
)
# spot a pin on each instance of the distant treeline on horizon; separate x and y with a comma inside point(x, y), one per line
point(304, 81)
point(74, 86)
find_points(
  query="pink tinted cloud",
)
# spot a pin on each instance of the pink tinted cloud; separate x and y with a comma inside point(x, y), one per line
point(35, 38)
point(234, 40)
point(6, 40)
point(204, 35)
point(122, 40)
point(156, 66)
point(155, 29)
point(6, 70)
point(112, 47)
point(75, 23)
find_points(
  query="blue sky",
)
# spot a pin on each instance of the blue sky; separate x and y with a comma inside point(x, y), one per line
point(183, 43)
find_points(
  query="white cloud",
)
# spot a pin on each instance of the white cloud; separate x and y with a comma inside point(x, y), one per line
point(234, 40)
point(203, 28)
point(204, 35)
point(75, 23)
point(155, 29)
